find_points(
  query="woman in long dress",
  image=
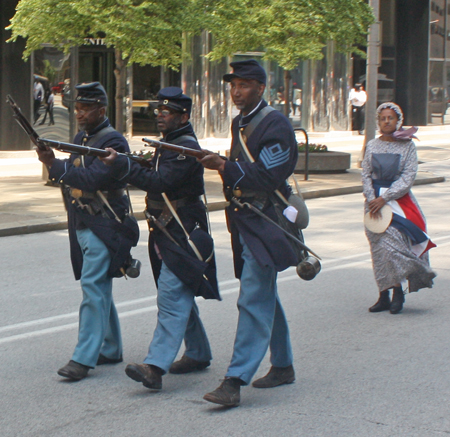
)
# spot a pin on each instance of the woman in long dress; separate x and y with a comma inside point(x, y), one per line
point(400, 253)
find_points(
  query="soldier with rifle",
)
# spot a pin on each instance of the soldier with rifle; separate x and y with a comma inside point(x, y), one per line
point(263, 155)
point(101, 232)
point(180, 247)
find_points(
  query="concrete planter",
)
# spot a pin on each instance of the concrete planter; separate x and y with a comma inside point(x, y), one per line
point(324, 162)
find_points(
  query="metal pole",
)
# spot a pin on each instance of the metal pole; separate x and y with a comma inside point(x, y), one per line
point(306, 151)
point(373, 62)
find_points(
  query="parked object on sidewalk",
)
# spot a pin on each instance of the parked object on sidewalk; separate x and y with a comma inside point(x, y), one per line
point(400, 251)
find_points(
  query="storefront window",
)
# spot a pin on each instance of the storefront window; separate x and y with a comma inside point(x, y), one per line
point(296, 93)
point(194, 83)
point(51, 94)
point(339, 102)
point(437, 92)
point(146, 84)
point(319, 96)
point(219, 100)
point(437, 28)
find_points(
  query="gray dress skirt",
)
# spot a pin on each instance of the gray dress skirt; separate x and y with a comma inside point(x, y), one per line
point(393, 257)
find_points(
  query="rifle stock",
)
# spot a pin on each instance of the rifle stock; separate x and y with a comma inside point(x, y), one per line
point(24, 123)
point(43, 143)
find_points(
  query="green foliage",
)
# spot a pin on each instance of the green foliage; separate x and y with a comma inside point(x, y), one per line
point(150, 32)
point(287, 30)
point(145, 32)
point(312, 148)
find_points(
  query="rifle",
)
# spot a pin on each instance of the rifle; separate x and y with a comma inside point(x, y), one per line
point(43, 143)
point(199, 154)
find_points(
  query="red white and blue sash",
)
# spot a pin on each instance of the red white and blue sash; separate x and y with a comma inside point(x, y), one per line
point(407, 218)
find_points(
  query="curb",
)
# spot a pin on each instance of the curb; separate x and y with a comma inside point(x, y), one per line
point(33, 229)
point(214, 206)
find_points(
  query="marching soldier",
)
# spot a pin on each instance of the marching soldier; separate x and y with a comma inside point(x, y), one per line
point(260, 162)
point(181, 250)
point(100, 231)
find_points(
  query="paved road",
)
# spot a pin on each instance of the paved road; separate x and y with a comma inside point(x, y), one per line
point(358, 374)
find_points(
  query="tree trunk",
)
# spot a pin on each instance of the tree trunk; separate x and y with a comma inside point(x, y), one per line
point(120, 75)
point(287, 92)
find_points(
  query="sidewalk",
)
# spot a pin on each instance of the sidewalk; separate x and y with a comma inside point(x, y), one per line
point(29, 206)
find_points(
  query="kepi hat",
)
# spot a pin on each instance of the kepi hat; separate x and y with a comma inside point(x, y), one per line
point(249, 69)
point(92, 92)
point(173, 97)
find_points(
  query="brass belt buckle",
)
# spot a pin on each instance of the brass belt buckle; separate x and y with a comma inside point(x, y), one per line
point(76, 193)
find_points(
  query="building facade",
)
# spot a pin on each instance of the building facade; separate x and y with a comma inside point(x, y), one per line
point(414, 72)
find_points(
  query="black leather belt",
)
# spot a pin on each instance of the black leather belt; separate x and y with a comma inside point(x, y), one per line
point(110, 194)
point(178, 203)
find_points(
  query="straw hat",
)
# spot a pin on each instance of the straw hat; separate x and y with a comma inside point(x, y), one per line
point(379, 225)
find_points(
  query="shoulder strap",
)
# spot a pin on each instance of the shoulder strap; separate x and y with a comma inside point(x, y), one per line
point(257, 119)
point(94, 139)
point(248, 130)
point(179, 140)
point(99, 135)
point(90, 143)
point(249, 158)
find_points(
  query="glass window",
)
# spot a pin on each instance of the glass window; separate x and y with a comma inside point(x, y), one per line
point(51, 94)
point(437, 28)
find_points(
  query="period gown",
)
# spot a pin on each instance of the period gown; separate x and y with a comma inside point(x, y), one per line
point(401, 252)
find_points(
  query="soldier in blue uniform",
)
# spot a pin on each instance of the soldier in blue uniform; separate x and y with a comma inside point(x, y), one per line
point(179, 273)
point(99, 241)
point(260, 249)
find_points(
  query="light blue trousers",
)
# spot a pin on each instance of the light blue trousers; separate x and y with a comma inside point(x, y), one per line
point(262, 322)
point(99, 328)
point(178, 318)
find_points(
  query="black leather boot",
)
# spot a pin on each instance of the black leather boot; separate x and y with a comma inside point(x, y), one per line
point(382, 304)
point(397, 300)
point(228, 393)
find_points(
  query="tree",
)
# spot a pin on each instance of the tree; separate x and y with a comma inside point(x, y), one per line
point(287, 30)
point(142, 32)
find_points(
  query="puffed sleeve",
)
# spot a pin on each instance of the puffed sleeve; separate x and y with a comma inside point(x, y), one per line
point(366, 174)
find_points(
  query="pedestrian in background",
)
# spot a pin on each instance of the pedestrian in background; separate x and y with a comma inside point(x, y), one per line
point(260, 249)
point(358, 98)
point(49, 109)
point(98, 248)
point(177, 220)
point(399, 248)
point(38, 96)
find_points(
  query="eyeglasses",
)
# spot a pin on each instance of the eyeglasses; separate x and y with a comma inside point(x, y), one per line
point(163, 112)
point(82, 112)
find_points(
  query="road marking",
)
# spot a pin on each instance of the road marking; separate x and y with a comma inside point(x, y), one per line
point(288, 275)
point(124, 314)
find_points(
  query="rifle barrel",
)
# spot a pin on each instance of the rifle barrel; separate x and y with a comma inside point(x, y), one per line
point(74, 148)
point(199, 154)
point(91, 151)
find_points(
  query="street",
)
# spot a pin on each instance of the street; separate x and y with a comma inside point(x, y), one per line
point(358, 374)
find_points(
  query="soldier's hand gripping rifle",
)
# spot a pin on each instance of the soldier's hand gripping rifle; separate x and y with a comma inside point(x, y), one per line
point(196, 153)
point(43, 143)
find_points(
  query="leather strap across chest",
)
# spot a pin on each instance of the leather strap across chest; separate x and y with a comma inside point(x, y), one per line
point(249, 129)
